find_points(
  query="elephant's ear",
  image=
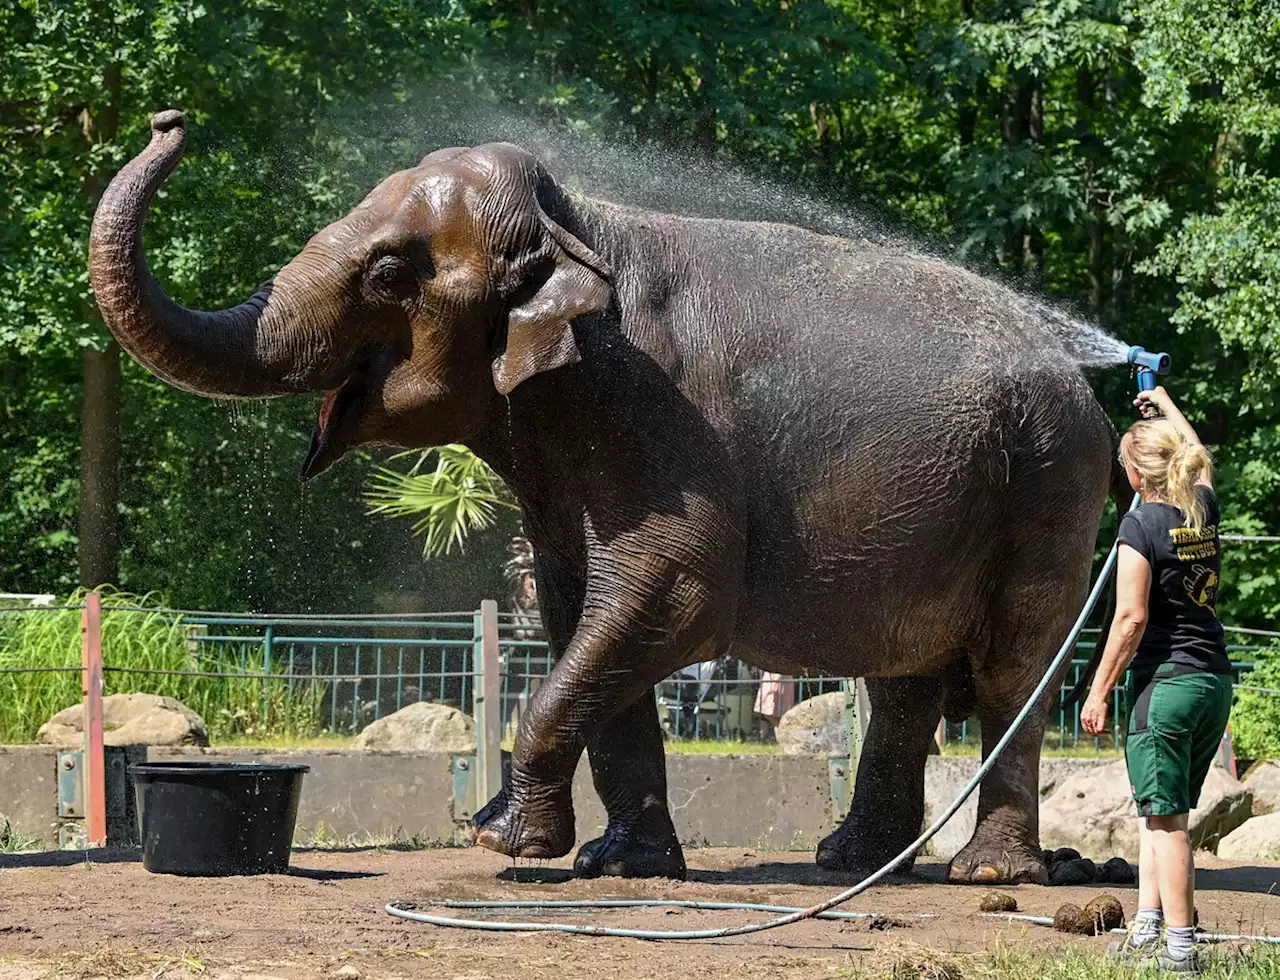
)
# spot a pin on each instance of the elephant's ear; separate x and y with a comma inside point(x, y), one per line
point(571, 281)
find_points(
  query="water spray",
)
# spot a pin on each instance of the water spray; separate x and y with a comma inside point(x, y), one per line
point(1148, 365)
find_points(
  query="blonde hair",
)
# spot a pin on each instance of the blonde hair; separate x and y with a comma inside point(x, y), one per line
point(1169, 464)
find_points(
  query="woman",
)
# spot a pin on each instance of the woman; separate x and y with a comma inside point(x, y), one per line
point(1166, 628)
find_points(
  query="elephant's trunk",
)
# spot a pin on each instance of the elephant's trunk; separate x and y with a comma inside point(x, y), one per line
point(260, 348)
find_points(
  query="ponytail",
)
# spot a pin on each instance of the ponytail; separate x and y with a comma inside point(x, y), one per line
point(1186, 464)
point(1170, 465)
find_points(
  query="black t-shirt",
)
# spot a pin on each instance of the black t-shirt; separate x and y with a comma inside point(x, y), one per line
point(1182, 622)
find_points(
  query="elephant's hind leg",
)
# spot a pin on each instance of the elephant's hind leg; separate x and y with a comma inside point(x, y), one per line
point(888, 798)
point(1032, 618)
point(629, 770)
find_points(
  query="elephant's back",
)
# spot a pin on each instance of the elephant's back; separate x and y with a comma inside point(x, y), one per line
point(899, 424)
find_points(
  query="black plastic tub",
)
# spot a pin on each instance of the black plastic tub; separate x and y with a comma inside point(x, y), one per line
point(217, 818)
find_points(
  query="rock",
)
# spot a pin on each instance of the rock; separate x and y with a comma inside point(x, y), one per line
point(1093, 811)
point(129, 719)
point(1263, 781)
point(998, 902)
point(422, 727)
point(347, 971)
point(1067, 918)
point(815, 727)
point(6, 831)
point(1079, 872)
point(1254, 840)
point(1103, 914)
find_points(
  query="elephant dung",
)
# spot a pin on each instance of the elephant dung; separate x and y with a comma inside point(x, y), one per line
point(1103, 914)
point(1117, 871)
point(1067, 918)
point(1081, 871)
point(998, 902)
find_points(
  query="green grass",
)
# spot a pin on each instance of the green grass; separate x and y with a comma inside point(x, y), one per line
point(323, 839)
point(16, 842)
point(1047, 751)
point(150, 639)
point(284, 741)
point(909, 961)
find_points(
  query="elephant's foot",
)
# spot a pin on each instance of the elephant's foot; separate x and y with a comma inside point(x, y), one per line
point(536, 823)
point(633, 854)
point(856, 853)
point(998, 863)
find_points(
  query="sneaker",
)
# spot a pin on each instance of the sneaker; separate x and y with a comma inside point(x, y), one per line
point(1126, 951)
point(1178, 964)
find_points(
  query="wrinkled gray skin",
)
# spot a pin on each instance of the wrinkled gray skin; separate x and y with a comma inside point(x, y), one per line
point(836, 457)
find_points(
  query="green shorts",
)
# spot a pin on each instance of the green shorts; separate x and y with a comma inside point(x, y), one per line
point(1175, 727)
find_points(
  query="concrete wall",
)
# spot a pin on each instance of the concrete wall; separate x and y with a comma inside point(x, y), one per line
point(354, 793)
point(759, 801)
point(29, 790)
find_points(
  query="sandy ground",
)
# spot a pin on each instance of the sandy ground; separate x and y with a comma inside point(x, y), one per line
point(63, 916)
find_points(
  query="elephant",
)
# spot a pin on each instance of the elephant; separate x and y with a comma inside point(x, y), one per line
point(833, 455)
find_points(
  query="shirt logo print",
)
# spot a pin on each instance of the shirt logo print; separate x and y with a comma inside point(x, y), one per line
point(1202, 587)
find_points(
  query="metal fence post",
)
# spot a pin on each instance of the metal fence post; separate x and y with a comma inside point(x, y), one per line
point(488, 704)
point(268, 636)
point(94, 756)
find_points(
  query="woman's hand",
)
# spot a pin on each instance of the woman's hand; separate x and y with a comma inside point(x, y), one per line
point(1154, 403)
point(1093, 716)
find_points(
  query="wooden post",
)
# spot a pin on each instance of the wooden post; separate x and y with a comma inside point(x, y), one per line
point(488, 704)
point(95, 773)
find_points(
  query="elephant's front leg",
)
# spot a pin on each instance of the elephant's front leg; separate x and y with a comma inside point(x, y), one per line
point(629, 769)
point(606, 674)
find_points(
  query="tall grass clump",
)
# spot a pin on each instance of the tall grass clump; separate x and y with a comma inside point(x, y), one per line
point(138, 634)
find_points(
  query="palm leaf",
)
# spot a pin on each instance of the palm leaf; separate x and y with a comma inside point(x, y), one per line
point(459, 495)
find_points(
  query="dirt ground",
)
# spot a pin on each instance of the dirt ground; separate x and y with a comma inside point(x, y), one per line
point(64, 917)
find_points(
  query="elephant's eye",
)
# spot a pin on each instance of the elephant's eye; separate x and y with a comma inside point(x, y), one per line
point(391, 274)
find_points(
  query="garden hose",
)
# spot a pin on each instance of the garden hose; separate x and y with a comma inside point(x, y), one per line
point(405, 910)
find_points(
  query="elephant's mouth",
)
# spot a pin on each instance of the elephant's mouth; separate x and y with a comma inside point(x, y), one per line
point(339, 413)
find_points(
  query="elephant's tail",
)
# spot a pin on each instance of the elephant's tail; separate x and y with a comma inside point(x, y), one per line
point(1122, 494)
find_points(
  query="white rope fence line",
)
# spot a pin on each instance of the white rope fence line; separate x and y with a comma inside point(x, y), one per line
point(1251, 632)
point(1251, 538)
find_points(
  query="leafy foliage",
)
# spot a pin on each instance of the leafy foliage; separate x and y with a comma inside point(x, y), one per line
point(1255, 717)
point(460, 495)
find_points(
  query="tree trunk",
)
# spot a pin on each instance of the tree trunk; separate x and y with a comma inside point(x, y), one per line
point(1024, 122)
point(100, 475)
point(100, 414)
point(1086, 94)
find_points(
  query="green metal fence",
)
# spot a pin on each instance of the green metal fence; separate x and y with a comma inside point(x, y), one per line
point(262, 675)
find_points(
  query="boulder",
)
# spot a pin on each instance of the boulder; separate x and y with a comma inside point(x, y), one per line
point(1093, 811)
point(1263, 781)
point(1254, 840)
point(129, 719)
point(815, 727)
point(422, 727)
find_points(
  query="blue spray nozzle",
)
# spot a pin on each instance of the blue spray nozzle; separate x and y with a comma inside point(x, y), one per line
point(1142, 358)
point(1148, 365)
